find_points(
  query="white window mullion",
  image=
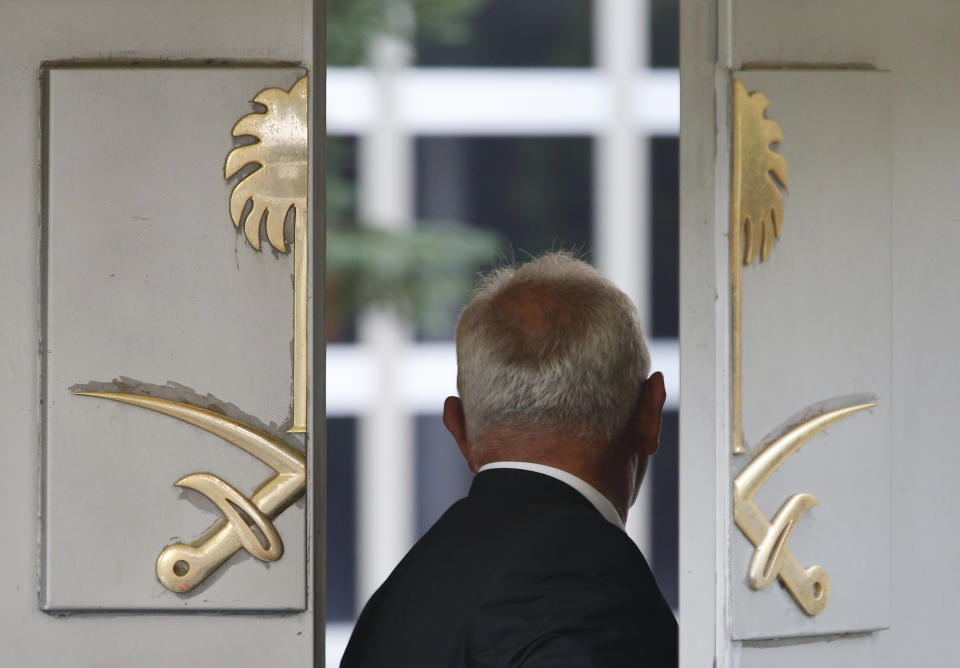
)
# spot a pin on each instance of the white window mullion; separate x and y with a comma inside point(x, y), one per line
point(386, 486)
point(621, 184)
point(470, 101)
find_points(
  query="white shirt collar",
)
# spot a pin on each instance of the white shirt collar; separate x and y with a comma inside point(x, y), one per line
point(591, 493)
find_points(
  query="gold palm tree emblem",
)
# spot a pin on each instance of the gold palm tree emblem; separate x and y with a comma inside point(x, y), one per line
point(756, 217)
point(268, 194)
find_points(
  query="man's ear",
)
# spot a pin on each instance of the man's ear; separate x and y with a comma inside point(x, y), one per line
point(456, 423)
point(653, 395)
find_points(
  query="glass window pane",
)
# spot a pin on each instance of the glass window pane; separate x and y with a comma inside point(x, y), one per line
point(515, 33)
point(664, 43)
point(341, 516)
point(534, 192)
point(665, 236)
point(341, 203)
point(665, 517)
point(442, 473)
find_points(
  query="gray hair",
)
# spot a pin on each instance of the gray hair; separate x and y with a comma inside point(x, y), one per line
point(551, 344)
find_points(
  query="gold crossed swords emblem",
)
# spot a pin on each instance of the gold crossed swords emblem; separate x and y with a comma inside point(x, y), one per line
point(772, 558)
point(182, 567)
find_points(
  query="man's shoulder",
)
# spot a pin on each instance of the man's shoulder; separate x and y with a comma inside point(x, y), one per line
point(586, 549)
point(574, 591)
point(495, 579)
point(538, 536)
point(554, 532)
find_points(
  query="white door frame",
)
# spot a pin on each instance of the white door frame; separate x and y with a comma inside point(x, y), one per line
point(704, 464)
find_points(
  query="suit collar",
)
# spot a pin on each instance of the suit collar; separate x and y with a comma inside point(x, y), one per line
point(589, 492)
point(515, 487)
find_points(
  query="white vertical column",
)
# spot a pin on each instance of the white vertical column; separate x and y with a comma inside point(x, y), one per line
point(621, 182)
point(621, 227)
point(385, 471)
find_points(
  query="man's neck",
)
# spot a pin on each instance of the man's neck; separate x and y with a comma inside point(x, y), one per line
point(595, 464)
point(603, 505)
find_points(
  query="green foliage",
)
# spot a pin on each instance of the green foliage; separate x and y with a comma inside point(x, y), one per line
point(424, 273)
point(445, 20)
point(518, 33)
point(352, 23)
point(341, 174)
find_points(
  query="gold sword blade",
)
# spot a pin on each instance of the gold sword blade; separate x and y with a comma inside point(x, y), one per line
point(810, 586)
point(182, 567)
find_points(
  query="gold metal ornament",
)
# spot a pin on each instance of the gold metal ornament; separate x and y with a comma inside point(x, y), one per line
point(182, 567)
point(264, 196)
point(757, 197)
point(772, 558)
point(278, 185)
point(756, 217)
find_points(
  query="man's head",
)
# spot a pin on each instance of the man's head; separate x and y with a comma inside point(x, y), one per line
point(550, 353)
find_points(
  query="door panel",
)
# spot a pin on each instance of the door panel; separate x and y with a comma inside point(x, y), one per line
point(816, 335)
point(857, 162)
point(151, 290)
point(855, 650)
point(124, 176)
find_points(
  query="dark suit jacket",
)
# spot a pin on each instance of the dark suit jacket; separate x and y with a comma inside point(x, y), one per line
point(524, 571)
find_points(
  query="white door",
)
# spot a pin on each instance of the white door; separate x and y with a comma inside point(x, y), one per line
point(818, 335)
point(158, 447)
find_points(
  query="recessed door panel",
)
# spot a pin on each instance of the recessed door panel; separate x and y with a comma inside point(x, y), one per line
point(152, 291)
point(816, 329)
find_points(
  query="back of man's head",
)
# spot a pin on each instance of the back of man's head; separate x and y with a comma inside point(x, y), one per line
point(553, 347)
